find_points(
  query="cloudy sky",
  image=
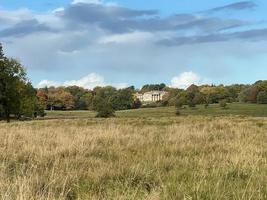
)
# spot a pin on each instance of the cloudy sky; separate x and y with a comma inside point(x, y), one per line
point(134, 42)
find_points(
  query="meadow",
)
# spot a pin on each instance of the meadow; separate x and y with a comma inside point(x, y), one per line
point(235, 109)
point(151, 154)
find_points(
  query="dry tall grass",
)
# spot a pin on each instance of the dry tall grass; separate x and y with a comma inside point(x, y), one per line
point(167, 158)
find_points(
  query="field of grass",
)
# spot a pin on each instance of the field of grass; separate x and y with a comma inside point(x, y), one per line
point(240, 109)
point(140, 154)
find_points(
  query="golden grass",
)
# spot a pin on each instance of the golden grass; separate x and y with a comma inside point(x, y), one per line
point(123, 158)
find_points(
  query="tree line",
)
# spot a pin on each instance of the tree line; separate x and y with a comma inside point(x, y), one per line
point(211, 94)
point(78, 98)
point(104, 100)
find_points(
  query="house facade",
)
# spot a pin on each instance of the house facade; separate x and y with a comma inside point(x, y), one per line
point(152, 96)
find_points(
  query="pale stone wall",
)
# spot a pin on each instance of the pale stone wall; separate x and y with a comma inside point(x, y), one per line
point(151, 96)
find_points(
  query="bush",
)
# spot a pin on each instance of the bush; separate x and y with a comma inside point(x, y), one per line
point(191, 104)
point(136, 104)
point(39, 112)
point(105, 112)
point(177, 112)
point(223, 104)
point(103, 108)
point(180, 102)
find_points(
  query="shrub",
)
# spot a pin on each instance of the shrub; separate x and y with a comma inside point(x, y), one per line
point(39, 111)
point(180, 102)
point(177, 112)
point(105, 112)
point(223, 104)
point(136, 104)
point(103, 107)
point(191, 104)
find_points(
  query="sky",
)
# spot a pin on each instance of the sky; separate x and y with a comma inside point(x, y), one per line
point(124, 42)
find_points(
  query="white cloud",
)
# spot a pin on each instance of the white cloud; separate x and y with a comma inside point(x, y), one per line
point(86, 1)
point(185, 79)
point(89, 82)
point(47, 83)
point(60, 9)
point(134, 37)
point(111, 3)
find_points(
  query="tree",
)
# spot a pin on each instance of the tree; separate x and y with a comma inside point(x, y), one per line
point(193, 89)
point(2, 55)
point(262, 85)
point(42, 98)
point(180, 102)
point(17, 96)
point(252, 94)
point(82, 97)
point(122, 100)
point(104, 92)
point(12, 76)
point(243, 95)
point(103, 108)
point(150, 87)
point(28, 101)
point(194, 96)
point(262, 97)
point(234, 91)
point(59, 99)
point(85, 101)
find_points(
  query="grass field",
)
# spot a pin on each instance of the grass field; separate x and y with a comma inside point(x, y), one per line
point(254, 110)
point(140, 154)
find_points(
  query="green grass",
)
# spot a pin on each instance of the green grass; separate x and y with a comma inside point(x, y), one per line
point(253, 110)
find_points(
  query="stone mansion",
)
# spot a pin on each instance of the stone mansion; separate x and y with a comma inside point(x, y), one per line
point(152, 96)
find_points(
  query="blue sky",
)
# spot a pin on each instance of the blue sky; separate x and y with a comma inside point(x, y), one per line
point(125, 42)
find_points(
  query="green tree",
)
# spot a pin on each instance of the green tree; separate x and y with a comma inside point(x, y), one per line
point(103, 108)
point(12, 75)
point(82, 97)
point(180, 102)
point(122, 100)
point(150, 87)
point(104, 92)
point(85, 101)
point(243, 95)
point(17, 96)
point(262, 97)
point(28, 101)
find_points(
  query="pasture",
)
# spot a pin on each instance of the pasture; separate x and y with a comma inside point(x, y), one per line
point(234, 109)
point(141, 154)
